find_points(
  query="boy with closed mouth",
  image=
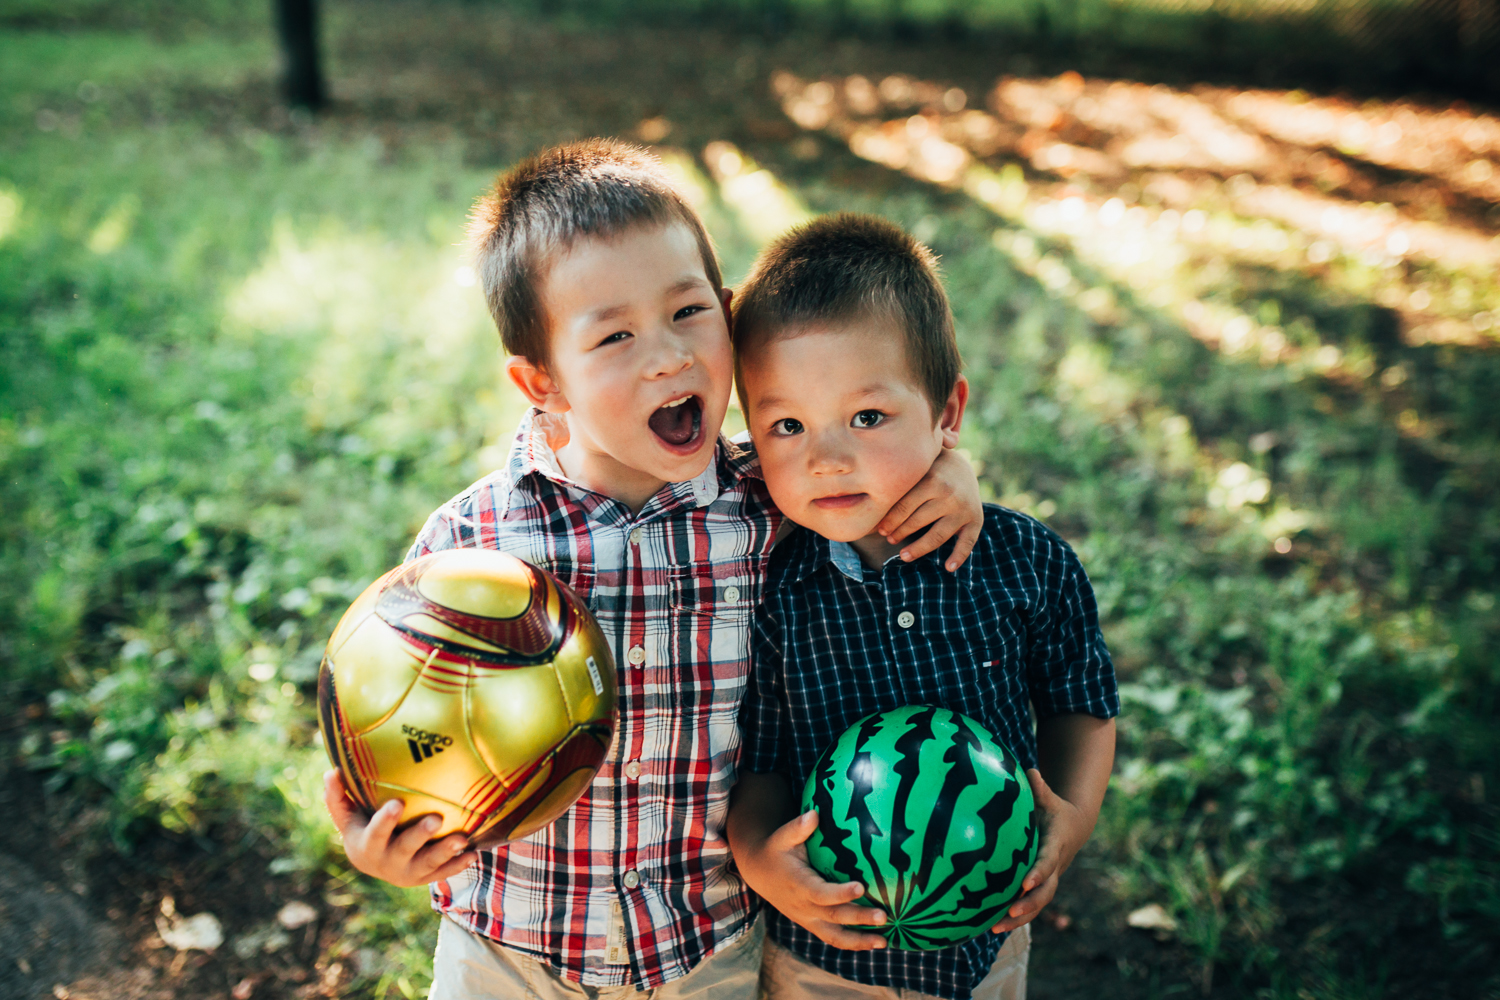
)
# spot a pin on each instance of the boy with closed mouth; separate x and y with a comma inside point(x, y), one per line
point(609, 300)
point(850, 377)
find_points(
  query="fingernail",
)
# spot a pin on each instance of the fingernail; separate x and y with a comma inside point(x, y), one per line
point(431, 823)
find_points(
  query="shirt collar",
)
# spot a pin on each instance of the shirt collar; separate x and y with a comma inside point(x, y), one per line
point(846, 560)
point(811, 551)
point(532, 455)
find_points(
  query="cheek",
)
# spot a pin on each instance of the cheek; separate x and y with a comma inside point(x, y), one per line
point(719, 363)
point(606, 389)
point(779, 467)
point(894, 470)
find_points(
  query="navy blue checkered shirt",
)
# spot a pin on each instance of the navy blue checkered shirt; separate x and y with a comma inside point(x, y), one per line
point(1015, 627)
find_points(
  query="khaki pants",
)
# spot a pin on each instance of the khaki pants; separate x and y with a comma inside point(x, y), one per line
point(785, 976)
point(469, 967)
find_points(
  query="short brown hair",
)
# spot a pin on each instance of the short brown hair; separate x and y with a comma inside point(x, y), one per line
point(596, 187)
point(843, 266)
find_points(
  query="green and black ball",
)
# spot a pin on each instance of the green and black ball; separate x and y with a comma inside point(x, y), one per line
point(933, 814)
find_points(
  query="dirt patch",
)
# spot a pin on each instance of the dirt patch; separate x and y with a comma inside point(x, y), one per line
point(81, 920)
point(47, 935)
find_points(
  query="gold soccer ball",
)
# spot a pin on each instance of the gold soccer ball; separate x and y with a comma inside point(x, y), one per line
point(472, 685)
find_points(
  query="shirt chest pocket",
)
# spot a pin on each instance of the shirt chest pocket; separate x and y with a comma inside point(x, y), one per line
point(986, 650)
point(1000, 636)
point(726, 591)
point(711, 607)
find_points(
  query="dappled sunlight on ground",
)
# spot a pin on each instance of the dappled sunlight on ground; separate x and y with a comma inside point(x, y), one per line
point(762, 204)
point(1162, 190)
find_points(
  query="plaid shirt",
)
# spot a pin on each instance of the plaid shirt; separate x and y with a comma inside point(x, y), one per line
point(835, 641)
point(634, 884)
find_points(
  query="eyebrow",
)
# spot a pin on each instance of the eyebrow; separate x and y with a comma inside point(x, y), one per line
point(682, 285)
point(608, 312)
point(877, 389)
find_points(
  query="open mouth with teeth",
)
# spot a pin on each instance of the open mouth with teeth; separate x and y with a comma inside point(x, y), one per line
point(679, 424)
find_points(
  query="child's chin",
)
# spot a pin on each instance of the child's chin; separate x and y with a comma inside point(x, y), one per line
point(674, 468)
point(840, 530)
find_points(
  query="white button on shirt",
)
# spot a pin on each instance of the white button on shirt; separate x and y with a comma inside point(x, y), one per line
point(906, 619)
point(731, 595)
point(635, 537)
point(633, 769)
point(661, 596)
point(631, 880)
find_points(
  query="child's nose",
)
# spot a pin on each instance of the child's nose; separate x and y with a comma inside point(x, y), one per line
point(829, 456)
point(671, 359)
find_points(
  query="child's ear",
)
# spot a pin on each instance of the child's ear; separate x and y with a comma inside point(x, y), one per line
point(726, 296)
point(952, 417)
point(536, 385)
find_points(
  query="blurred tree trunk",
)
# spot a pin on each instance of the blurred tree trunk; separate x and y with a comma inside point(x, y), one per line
point(302, 71)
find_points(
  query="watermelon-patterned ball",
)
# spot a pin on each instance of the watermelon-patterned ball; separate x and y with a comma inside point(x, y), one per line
point(933, 814)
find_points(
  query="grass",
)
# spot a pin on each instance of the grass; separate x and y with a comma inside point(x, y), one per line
point(242, 360)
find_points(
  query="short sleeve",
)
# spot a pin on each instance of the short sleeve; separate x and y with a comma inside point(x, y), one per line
point(451, 526)
point(436, 535)
point(764, 707)
point(1069, 670)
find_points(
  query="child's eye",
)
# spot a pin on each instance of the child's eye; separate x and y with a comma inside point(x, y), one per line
point(787, 426)
point(868, 418)
point(615, 337)
point(687, 311)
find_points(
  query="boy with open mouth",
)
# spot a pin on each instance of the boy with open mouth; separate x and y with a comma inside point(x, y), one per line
point(609, 300)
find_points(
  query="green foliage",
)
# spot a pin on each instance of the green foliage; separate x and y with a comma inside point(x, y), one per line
point(168, 18)
point(236, 372)
point(239, 367)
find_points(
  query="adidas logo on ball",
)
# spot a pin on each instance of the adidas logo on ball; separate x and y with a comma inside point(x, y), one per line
point(424, 744)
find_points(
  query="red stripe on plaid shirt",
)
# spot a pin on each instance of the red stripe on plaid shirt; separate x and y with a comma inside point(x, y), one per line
point(676, 584)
